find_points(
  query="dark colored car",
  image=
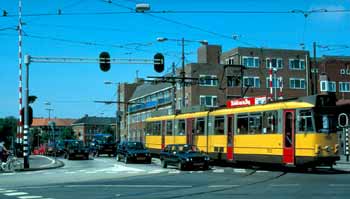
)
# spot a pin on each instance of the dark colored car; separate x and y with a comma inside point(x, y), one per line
point(133, 151)
point(103, 144)
point(184, 156)
point(75, 149)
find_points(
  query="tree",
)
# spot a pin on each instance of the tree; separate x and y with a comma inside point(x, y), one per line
point(67, 134)
point(8, 129)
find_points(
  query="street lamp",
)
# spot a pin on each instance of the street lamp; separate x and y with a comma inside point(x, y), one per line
point(183, 73)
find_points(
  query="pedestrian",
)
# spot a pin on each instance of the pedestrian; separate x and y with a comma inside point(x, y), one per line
point(3, 150)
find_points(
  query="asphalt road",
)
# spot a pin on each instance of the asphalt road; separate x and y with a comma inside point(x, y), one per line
point(104, 178)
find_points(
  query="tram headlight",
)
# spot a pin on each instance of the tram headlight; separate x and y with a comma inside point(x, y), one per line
point(317, 149)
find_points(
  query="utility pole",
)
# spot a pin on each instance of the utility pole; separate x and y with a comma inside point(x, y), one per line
point(118, 114)
point(314, 72)
point(49, 110)
point(20, 122)
point(173, 103)
point(183, 71)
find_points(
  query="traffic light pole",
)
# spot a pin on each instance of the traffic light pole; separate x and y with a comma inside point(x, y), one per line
point(26, 119)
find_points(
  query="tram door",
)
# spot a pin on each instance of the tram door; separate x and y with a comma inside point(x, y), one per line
point(190, 131)
point(288, 137)
point(229, 153)
point(162, 131)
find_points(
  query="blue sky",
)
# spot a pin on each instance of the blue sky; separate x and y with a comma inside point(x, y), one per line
point(72, 88)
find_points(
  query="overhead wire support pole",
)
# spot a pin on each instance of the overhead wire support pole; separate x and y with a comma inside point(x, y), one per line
point(20, 95)
point(183, 71)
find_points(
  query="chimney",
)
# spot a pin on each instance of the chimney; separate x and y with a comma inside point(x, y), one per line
point(209, 54)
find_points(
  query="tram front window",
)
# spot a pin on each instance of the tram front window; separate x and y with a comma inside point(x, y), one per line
point(326, 123)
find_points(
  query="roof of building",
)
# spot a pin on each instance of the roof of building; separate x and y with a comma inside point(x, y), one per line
point(95, 120)
point(148, 88)
point(58, 121)
point(340, 58)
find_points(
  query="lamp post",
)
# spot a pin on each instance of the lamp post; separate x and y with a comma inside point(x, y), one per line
point(183, 73)
point(117, 128)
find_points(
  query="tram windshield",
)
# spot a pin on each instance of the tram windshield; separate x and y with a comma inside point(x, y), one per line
point(326, 123)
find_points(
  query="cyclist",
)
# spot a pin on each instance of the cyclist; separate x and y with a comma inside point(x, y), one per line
point(3, 151)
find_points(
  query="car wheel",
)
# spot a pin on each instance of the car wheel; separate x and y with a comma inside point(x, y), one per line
point(87, 156)
point(126, 160)
point(109, 155)
point(163, 163)
point(180, 166)
point(206, 167)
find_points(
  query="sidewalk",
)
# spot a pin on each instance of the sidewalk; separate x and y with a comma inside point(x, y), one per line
point(40, 162)
point(343, 160)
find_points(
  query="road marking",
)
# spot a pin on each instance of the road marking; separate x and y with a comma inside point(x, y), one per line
point(239, 170)
point(82, 170)
point(219, 171)
point(90, 172)
point(7, 191)
point(133, 172)
point(339, 185)
point(16, 194)
point(199, 171)
point(262, 171)
point(8, 174)
point(223, 186)
point(156, 171)
point(284, 185)
point(174, 171)
point(29, 197)
point(70, 172)
point(131, 186)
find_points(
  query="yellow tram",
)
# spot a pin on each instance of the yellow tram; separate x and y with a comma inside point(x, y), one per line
point(299, 132)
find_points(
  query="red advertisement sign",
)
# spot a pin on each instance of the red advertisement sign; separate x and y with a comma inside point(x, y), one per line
point(249, 101)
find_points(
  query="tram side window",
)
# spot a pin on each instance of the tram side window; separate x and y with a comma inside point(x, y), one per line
point(219, 125)
point(156, 128)
point(270, 122)
point(255, 123)
point(200, 126)
point(148, 128)
point(242, 124)
point(169, 127)
point(180, 127)
point(305, 121)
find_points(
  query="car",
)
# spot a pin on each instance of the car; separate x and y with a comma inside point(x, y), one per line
point(184, 156)
point(75, 149)
point(133, 151)
point(103, 144)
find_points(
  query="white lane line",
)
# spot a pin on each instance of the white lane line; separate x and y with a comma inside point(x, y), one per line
point(130, 186)
point(52, 161)
point(8, 174)
point(223, 186)
point(239, 170)
point(7, 191)
point(262, 171)
point(29, 197)
point(339, 185)
point(155, 171)
point(16, 194)
point(70, 172)
point(133, 172)
point(219, 171)
point(174, 171)
point(90, 172)
point(284, 185)
point(82, 170)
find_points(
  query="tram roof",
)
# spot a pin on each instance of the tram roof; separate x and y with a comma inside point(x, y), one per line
point(166, 117)
point(265, 107)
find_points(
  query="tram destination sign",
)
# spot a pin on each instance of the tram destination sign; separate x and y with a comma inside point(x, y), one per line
point(248, 101)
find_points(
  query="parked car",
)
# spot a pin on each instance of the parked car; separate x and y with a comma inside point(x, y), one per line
point(75, 149)
point(184, 156)
point(133, 151)
point(103, 144)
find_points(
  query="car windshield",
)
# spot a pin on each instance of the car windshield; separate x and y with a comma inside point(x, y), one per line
point(104, 139)
point(188, 149)
point(77, 144)
point(135, 145)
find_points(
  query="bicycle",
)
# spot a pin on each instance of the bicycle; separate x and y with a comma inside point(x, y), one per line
point(12, 164)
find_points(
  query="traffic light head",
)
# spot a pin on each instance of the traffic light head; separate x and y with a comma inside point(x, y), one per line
point(30, 116)
point(105, 61)
point(159, 62)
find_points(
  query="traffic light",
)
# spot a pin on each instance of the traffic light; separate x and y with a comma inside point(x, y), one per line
point(105, 61)
point(159, 62)
point(30, 115)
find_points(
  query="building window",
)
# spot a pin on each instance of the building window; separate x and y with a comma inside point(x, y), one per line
point(296, 64)
point(251, 62)
point(208, 80)
point(276, 83)
point(233, 81)
point(276, 62)
point(296, 83)
point(253, 82)
point(328, 86)
point(344, 87)
point(207, 100)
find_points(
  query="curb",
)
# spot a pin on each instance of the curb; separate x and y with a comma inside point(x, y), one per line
point(58, 164)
